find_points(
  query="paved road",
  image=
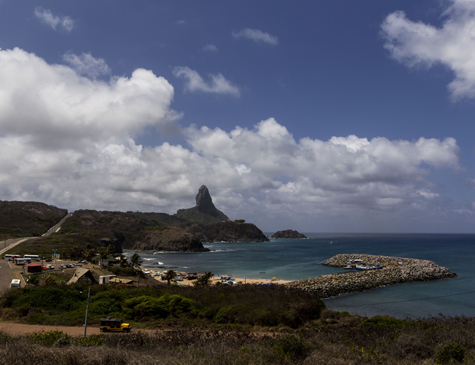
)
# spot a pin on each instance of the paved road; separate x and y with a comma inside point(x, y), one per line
point(57, 226)
point(7, 269)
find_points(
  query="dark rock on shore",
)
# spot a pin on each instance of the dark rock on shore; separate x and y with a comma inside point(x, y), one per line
point(288, 234)
point(396, 270)
point(170, 239)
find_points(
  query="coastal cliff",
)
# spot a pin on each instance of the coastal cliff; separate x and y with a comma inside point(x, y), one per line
point(170, 239)
point(289, 234)
point(228, 232)
point(396, 270)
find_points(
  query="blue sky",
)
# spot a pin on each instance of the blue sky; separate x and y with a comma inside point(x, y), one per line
point(341, 116)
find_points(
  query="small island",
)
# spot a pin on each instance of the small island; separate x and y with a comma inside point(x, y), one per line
point(386, 270)
point(289, 234)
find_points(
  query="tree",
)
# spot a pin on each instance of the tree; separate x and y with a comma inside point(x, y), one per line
point(123, 262)
point(90, 253)
point(33, 280)
point(170, 275)
point(50, 281)
point(135, 260)
point(111, 249)
point(103, 254)
point(204, 279)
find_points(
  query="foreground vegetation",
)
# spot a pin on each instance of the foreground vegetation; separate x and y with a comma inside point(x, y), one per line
point(242, 306)
point(339, 339)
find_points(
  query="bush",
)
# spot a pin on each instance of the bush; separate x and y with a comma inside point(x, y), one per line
point(51, 338)
point(380, 321)
point(292, 347)
point(450, 352)
point(228, 314)
point(89, 341)
point(162, 307)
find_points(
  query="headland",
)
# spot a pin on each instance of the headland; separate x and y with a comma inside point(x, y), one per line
point(391, 270)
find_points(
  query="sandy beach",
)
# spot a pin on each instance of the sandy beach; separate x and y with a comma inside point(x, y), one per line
point(156, 275)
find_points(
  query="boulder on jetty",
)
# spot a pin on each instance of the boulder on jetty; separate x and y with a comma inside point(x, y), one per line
point(396, 270)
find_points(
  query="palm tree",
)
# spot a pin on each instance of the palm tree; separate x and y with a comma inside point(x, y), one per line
point(103, 253)
point(170, 275)
point(135, 260)
point(204, 279)
point(90, 253)
point(111, 249)
point(123, 261)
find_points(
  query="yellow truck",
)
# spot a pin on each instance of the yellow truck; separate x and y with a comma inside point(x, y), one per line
point(109, 324)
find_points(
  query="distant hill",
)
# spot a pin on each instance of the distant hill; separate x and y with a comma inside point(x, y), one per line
point(27, 219)
point(130, 230)
point(185, 231)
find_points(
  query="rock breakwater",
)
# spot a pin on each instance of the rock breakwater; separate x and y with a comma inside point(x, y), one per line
point(396, 270)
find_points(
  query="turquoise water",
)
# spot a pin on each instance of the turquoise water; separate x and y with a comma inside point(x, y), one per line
point(302, 259)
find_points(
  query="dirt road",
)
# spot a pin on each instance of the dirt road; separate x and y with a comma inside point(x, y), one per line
point(22, 329)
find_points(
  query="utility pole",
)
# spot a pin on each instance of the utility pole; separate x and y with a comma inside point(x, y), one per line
point(87, 310)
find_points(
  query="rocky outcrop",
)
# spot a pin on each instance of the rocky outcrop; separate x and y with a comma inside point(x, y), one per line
point(396, 270)
point(170, 239)
point(228, 232)
point(204, 212)
point(289, 234)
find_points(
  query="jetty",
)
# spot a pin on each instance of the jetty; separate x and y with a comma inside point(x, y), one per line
point(395, 270)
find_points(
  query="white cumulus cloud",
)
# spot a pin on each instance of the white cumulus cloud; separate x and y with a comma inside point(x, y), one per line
point(453, 44)
point(194, 82)
point(47, 17)
point(256, 35)
point(53, 105)
point(68, 140)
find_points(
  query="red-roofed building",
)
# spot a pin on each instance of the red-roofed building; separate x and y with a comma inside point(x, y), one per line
point(34, 267)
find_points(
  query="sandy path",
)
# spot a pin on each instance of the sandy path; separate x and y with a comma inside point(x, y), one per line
point(22, 329)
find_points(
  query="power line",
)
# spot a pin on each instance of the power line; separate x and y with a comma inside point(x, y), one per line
point(404, 301)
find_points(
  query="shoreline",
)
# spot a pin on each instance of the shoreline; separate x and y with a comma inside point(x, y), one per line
point(217, 278)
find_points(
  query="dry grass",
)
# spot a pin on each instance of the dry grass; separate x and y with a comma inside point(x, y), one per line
point(334, 339)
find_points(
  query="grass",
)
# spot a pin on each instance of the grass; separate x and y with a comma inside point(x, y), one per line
point(226, 325)
point(339, 339)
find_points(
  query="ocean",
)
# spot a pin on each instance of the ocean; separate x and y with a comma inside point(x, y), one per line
point(302, 259)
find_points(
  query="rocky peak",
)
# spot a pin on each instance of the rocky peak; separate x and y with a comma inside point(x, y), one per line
point(204, 203)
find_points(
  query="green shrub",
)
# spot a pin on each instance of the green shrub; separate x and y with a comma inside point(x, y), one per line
point(162, 307)
point(292, 347)
point(228, 314)
point(450, 352)
point(61, 298)
point(51, 338)
point(105, 306)
point(89, 341)
point(380, 321)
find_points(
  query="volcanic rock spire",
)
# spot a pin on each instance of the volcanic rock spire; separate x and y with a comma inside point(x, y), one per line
point(204, 212)
point(204, 203)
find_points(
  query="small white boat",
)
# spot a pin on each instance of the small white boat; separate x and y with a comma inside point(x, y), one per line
point(369, 267)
